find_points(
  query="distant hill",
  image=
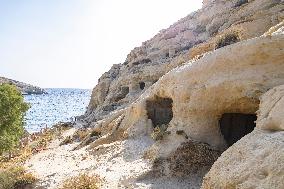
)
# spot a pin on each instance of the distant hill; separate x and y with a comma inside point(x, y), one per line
point(23, 87)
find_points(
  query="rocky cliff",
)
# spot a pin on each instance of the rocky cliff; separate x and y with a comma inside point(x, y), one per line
point(200, 105)
point(188, 38)
point(197, 83)
point(23, 87)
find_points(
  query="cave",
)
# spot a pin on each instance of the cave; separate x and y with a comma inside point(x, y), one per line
point(142, 85)
point(234, 126)
point(240, 3)
point(159, 110)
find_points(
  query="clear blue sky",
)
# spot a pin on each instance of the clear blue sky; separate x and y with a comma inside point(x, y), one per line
point(70, 43)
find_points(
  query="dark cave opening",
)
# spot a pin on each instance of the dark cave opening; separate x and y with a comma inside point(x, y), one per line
point(160, 110)
point(234, 126)
point(142, 85)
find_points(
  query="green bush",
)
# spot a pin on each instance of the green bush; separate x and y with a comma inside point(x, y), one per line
point(12, 110)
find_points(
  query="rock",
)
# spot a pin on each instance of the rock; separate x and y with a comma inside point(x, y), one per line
point(233, 81)
point(23, 87)
point(256, 161)
point(271, 112)
point(190, 37)
point(210, 90)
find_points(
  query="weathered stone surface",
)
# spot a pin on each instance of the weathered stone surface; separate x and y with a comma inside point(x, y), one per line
point(271, 111)
point(224, 81)
point(23, 87)
point(191, 36)
point(205, 80)
point(256, 161)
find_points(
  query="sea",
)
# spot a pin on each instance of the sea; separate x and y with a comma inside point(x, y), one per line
point(58, 105)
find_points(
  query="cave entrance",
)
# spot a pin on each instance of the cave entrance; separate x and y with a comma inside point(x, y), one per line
point(160, 110)
point(234, 126)
point(142, 85)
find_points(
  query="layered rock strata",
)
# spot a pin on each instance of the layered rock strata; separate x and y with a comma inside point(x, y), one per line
point(200, 105)
point(208, 108)
point(199, 32)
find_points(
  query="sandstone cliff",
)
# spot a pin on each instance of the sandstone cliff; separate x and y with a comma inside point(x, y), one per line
point(191, 36)
point(23, 87)
point(200, 105)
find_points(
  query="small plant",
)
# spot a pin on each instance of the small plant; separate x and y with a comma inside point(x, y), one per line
point(159, 132)
point(95, 133)
point(227, 39)
point(25, 180)
point(67, 140)
point(181, 132)
point(82, 181)
point(80, 134)
point(15, 178)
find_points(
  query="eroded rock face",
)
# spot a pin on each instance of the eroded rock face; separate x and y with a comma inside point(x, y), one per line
point(203, 81)
point(271, 112)
point(255, 161)
point(223, 81)
point(232, 80)
point(190, 37)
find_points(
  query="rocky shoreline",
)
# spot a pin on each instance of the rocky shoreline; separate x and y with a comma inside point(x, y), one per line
point(25, 88)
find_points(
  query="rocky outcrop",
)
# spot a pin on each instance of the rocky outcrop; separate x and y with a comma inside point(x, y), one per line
point(255, 161)
point(199, 32)
point(23, 87)
point(200, 105)
point(207, 107)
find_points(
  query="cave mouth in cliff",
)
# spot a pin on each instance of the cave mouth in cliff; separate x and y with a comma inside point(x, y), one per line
point(234, 126)
point(160, 110)
point(142, 85)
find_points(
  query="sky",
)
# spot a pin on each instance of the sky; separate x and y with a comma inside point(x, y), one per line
point(71, 43)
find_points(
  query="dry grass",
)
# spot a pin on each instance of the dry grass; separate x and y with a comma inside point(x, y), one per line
point(12, 174)
point(67, 140)
point(81, 134)
point(227, 39)
point(82, 181)
point(159, 132)
point(15, 178)
point(33, 144)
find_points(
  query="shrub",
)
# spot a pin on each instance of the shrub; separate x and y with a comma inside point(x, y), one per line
point(80, 134)
point(67, 140)
point(82, 181)
point(12, 109)
point(95, 133)
point(227, 39)
point(159, 132)
point(24, 180)
point(15, 178)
